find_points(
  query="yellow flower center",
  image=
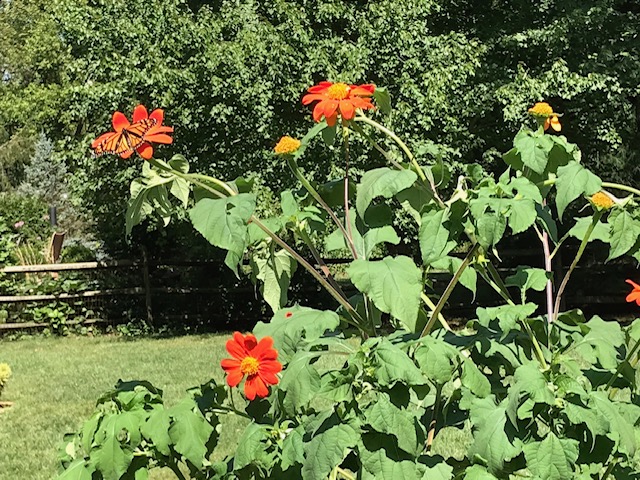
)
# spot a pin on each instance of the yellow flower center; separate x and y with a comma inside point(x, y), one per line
point(338, 91)
point(249, 366)
point(602, 200)
point(287, 145)
point(541, 109)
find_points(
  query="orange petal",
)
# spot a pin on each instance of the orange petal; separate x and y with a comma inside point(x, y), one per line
point(157, 115)
point(330, 107)
point(269, 378)
point(126, 154)
point(318, 112)
point(255, 386)
point(633, 284)
point(145, 150)
point(119, 121)
point(363, 90)
point(158, 138)
point(311, 97)
point(271, 366)
point(140, 113)
point(555, 123)
point(547, 123)
point(331, 121)
point(319, 88)
point(633, 296)
point(102, 138)
point(347, 109)
point(234, 378)
point(235, 348)
point(265, 344)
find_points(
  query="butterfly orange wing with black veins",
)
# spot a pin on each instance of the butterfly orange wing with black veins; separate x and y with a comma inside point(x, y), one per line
point(124, 141)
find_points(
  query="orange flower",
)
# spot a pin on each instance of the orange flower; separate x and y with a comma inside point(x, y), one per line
point(544, 112)
point(338, 98)
point(634, 296)
point(134, 137)
point(257, 360)
point(287, 145)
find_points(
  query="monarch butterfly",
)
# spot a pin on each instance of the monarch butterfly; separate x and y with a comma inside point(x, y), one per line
point(126, 140)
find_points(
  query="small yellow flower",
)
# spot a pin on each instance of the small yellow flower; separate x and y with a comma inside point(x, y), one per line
point(602, 200)
point(543, 112)
point(5, 374)
point(287, 145)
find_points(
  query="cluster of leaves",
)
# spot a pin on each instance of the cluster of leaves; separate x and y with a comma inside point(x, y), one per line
point(5, 375)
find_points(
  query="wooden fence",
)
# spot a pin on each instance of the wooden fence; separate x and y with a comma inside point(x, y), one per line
point(595, 287)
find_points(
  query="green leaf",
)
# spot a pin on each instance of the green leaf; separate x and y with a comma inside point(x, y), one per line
point(522, 214)
point(190, 432)
point(529, 379)
point(385, 417)
point(329, 135)
point(156, 429)
point(383, 99)
point(436, 470)
point(109, 456)
point(477, 472)
point(414, 199)
point(393, 284)
point(250, 445)
point(621, 431)
point(293, 448)
point(223, 222)
point(574, 180)
point(78, 470)
point(434, 236)
point(533, 149)
point(365, 238)
point(179, 163)
point(297, 323)
point(275, 272)
point(327, 449)
point(552, 458)
point(438, 360)
point(624, 234)
point(490, 228)
point(507, 315)
point(300, 380)
point(138, 207)
point(469, 277)
point(473, 379)
point(382, 462)
point(383, 182)
point(490, 440)
point(181, 190)
point(394, 365)
point(600, 231)
point(528, 278)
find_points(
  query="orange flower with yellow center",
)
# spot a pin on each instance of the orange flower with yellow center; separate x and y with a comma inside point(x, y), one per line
point(338, 99)
point(287, 145)
point(602, 200)
point(257, 361)
point(543, 112)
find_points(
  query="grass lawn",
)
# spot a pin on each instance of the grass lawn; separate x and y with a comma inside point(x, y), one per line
point(56, 382)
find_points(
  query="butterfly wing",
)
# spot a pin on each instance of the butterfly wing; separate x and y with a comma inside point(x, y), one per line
point(124, 142)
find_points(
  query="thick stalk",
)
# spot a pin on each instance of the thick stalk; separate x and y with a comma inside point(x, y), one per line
point(434, 418)
point(548, 268)
point(583, 245)
point(619, 186)
point(293, 165)
point(173, 466)
point(628, 358)
point(609, 469)
point(377, 146)
point(447, 292)
point(432, 307)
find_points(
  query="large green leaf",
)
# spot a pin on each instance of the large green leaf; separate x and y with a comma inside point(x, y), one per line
point(530, 380)
point(385, 417)
point(621, 430)
point(574, 180)
point(625, 231)
point(274, 270)
point(381, 182)
point(438, 360)
point(190, 432)
point(250, 445)
point(223, 222)
point(381, 462)
point(327, 449)
point(490, 228)
point(477, 472)
point(297, 323)
point(533, 149)
point(78, 470)
point(109, 456)
point(600, 232)
point(301, 381)
point(507, 315)
point(434, 236)
point(552, 458)
point(393, 284)
point(293, 448)
point(469, 277)
point(394, 365)
point(156, 429)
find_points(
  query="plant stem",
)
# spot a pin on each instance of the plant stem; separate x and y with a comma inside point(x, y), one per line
point(377, 146)
point(447, 292)
point(619, 186)
point(347, 222)
point(345, 474)
point(316, 255)
point(293, 165)
point(548, 268)
point(432, 306)
point(583, 245)
point(609, 469)
point(432, 424)
point(171, 463)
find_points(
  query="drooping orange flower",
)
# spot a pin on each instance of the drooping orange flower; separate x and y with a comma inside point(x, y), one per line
point(544, 112)
point(634, 296)
point(257, 360)
point(130, 137)
point(338, 98)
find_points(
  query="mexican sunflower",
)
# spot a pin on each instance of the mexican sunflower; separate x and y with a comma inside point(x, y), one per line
point(338, 98)
point(544, 112)
point(257, 360)
point(634, 296)
point(128, 137)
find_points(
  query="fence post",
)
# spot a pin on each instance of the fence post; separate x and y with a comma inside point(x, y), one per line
point(147, 286)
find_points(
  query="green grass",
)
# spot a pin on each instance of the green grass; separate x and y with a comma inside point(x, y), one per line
point(56, 383)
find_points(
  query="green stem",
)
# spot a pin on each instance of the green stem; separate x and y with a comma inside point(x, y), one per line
point(377, 146)
point(293, 165)
point(609, 469)
point(347, 221)
point(345, 474)
point(628, 358)
point(432, 307)
point(226, 187)
point(434, 417)
point(171, 463)
point(447, 292)
point(583, 245)
point(619, 186)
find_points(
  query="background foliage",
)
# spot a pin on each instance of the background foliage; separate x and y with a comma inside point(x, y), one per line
point(460, 74)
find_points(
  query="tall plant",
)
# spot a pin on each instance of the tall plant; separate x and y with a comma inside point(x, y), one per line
point(550, 396)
